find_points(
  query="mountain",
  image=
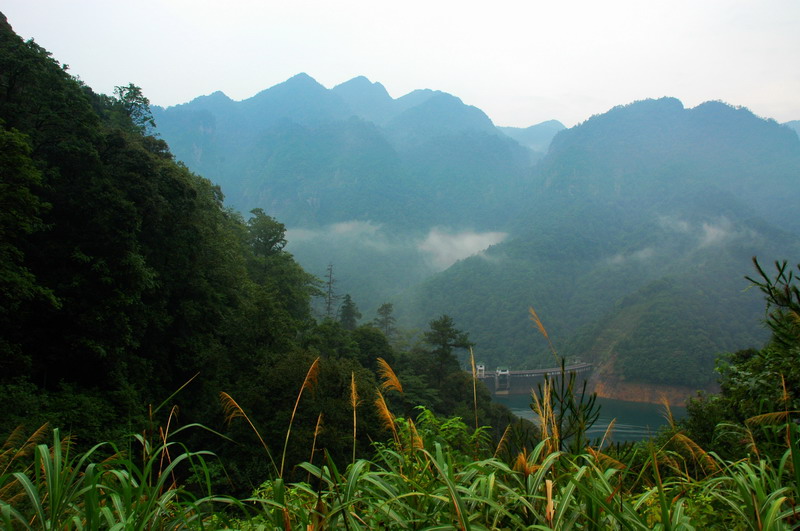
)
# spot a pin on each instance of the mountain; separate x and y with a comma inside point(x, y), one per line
point(639, 231)
point(631, 236)
point(794, 124)
point(438, 114)
point(654, 148)
point(312, 156)
point(369, 101)
point(537, 137)
point(362, 180)
point(299, 99)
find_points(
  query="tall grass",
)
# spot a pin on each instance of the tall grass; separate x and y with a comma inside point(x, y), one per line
point(232, 411)
point(308, 383)
point(421, 480)
point(354, 401)
point(104, 488)
point(431, 484)
point(390, 381)
point(474, 385)
point(433, 474)
point(542, 330)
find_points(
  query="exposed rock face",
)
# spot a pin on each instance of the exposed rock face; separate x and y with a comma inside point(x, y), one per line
point(644, 392)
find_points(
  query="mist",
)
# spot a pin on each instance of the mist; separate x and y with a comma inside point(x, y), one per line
point(373, 263)
point(444, 248)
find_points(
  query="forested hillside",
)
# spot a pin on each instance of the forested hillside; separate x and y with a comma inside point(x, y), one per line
point(634, 251)
point(162, 365)
point(631, 237)
point(126, 283)
point(362, 180)
point(312, 156)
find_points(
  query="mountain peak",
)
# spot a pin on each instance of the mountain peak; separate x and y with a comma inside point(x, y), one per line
point(434, 113)
point(368, 100)
point(301, 81)
point(298, 87)
point(300, 99)
point(363, 88)
point(549, 124)
point(302, 77)
point(646, 109)
point(216, 97)
point(359, 82)
point(216, 101)
point(719, 110)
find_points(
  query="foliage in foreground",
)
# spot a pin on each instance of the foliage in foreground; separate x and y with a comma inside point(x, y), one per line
point(45, 487)
point(419, 481)
point(123, 275)
point(436, 473)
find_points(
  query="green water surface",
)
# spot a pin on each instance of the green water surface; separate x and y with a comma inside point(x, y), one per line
point(634, 420)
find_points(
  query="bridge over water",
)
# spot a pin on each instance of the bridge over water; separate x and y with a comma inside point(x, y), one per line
point(506, 382)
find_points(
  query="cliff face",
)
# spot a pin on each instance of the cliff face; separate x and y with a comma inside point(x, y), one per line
point(639, 392)
point(607, 382)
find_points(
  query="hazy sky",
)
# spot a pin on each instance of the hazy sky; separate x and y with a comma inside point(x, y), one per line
point(522, 62)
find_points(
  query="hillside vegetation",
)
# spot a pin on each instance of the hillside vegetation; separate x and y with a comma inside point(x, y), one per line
point(127, 283)
point(312, 156)
point(641, 225)
point(631, 236)
point(439, 472)
point(161, 365)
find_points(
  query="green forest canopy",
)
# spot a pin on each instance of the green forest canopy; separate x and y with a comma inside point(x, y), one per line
point(124, 277)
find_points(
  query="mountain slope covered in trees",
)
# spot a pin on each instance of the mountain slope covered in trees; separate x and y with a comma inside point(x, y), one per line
point(362, 179)
point(631, 237)
point(125, 283)
point(634, 251)
point(312, 156)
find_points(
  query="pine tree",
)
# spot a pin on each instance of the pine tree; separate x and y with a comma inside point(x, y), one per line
point(330, 293)
point(444, 337)
point(349, 314)
point(385, 320)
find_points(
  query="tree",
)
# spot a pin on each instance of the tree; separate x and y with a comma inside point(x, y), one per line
point(349, 314)
point(754, 380)
point(20, 209)
point(372, 344)
point(385, 320)
point(266, 236)
point(783, 303)
point(136, 106)
point(330, 294)
point(754, 383)
point(284, 281)
point(444, 337)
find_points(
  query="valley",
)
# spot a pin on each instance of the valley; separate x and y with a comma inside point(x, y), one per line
point(630, 233)
point(322, 308)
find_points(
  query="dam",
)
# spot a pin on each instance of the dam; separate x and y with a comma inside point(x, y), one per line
point(503, 381)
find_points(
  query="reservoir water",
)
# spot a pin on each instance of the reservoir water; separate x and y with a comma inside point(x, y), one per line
point(634, 420)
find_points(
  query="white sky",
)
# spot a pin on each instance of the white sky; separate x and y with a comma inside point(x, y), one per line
point(522, 62)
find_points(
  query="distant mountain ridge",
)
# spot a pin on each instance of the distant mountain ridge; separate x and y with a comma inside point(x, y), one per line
point(352, 134)
point(639, 230)
point(536, 137)
point(630, 234)
point(369, 101)
point(713, 146)
point(794, 125)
